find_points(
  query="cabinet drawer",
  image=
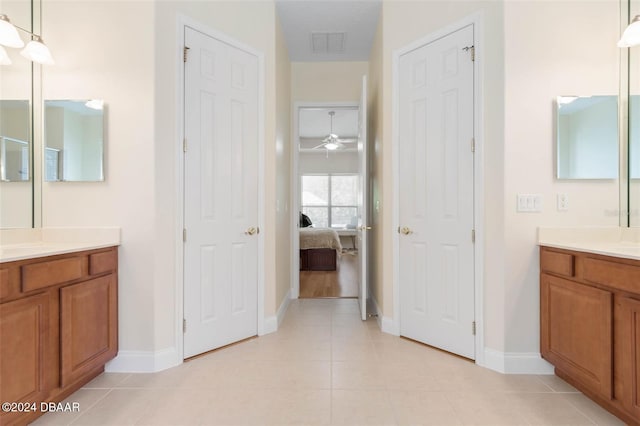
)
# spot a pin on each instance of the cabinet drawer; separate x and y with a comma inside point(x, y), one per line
point(553, 262)
point(44, 274)
point(615, 275)
point(103, 262)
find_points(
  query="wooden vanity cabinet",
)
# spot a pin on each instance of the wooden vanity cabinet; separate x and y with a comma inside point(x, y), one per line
point(58, 326)
point(590, 326)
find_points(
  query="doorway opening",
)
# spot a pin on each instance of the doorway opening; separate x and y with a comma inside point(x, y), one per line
point(325, 193)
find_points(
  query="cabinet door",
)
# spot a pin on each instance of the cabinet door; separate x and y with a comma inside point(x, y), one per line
point(88, 326)
point(628, 343)
point(24, 347)
point(576, 331)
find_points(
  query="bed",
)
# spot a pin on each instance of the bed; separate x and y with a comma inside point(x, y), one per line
point(319, 249)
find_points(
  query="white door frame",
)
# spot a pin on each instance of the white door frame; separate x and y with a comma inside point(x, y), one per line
point(478, 202)
point(182, 22)
point(295, 198)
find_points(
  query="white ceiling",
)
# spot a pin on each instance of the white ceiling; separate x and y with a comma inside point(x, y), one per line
point(314, 125)
point(301, 19)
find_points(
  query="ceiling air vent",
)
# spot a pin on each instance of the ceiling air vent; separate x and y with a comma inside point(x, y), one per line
point(327, 42)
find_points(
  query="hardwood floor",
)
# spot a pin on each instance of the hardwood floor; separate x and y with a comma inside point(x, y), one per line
point(340, 283)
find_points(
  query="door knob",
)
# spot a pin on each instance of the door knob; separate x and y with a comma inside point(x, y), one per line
point(365, 228)
point(252, 231)
point(405, 230)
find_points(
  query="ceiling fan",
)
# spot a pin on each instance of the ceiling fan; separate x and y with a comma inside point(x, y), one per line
point(332, 141)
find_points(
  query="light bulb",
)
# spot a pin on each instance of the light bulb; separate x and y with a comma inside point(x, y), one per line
point(631, 36)
point(37, 51)
point(9, 34)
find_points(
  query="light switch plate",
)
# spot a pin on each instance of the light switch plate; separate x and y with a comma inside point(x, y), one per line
point(529, 203)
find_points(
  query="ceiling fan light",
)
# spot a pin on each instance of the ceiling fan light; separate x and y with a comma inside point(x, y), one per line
point(37, 51)
point(331, 146)
point(631, 36)
point(9, 34)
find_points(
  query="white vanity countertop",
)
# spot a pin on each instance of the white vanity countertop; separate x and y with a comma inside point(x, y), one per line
point(20, 244)
point(616, 242)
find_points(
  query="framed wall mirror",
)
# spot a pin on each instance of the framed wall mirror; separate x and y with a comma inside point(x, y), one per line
point(16, 127)
point(587, 137)
point(74, 140)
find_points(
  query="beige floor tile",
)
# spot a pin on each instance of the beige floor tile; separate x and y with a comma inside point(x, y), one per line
point(324, 365)
point(485, 408)
point(346, 318)
point(170, 378)
point(593, 411)
point(351, 306)
point(352, 332)
point(548, 409)
point(357, 375)
point(347, 350)
point(361, 407)
point(307, 407)
point(292, 330)
point(409, 376)
point(422, 408)
point(177, 407)
point(106, 381)
point(556, 383)
point(86, 398)
point(121, 407)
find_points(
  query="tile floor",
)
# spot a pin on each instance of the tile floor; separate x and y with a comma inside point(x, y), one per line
point(325, 366)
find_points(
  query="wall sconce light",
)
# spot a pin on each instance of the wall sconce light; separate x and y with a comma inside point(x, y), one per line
point(35, 51)
point(631, 36)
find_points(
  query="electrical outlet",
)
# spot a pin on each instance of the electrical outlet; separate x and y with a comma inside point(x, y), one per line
point(563, 202)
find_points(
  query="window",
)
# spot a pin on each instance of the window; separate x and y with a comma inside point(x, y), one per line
point(330, 201)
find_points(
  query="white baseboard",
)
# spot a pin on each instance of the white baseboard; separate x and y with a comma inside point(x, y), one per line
point(282, 310)
point(516, 362)
point(271, 323)
point(386, 324)
point(143, 361)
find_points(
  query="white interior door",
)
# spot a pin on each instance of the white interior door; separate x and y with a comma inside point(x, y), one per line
point(363, 221)
point(220, 194)
point(436, 194)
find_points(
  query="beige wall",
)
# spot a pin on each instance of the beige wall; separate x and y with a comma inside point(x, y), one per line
point(584, 62)
point(327, 81)
point(92, 61)
point(139, 194)
point(283, 167)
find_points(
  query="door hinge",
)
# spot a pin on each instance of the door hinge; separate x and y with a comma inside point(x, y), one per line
point(184, 53)
point(473, 328)
point(472, 50)
point(184, 145)
point(473, 235)
point(473, 144)
point(184, 325)
point(184, 235)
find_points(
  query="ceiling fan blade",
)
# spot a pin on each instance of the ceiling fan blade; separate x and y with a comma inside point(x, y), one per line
point(319, 146)
point(350, 140)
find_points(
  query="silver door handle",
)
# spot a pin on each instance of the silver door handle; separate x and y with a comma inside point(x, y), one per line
point(365, 228)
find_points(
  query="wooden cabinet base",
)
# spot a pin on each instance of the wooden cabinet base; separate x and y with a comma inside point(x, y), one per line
point(590, 326)
point(58, 328)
